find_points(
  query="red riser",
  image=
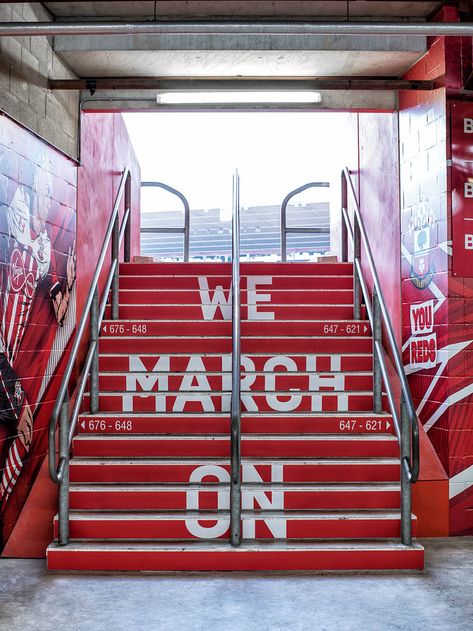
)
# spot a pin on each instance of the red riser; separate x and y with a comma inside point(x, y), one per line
point(246, 269)
point(219, 447)
point(176, 528)
point(278, 297)
point(180, 472)
point(101, 499)
point(212, 424)
point(221, 403)
point(223, 345)
point(217, 363)
point(278, 282)
point(111, 328)
point(235, 559)
point(144, 313)
point(219, 383)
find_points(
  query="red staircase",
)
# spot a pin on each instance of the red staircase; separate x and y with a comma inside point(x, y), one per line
point(150, 473)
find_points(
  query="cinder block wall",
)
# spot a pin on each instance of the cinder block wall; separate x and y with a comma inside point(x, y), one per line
point(26, 64)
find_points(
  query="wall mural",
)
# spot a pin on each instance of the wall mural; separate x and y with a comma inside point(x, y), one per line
point(37, 303)
point(437, 341)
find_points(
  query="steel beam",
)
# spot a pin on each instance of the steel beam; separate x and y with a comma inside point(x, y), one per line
point(244, 84)
point(365, 29)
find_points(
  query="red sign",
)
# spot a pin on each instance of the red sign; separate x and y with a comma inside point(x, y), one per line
point(462, 188)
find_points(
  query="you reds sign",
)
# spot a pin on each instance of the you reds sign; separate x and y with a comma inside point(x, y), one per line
point(422, 318)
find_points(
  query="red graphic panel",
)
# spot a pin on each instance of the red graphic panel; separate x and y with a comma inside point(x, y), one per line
point(462, 188)
point(37, 303)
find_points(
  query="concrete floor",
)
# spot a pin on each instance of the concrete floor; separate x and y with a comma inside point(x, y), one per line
point(439, 598)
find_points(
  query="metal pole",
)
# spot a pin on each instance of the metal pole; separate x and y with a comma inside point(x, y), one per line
point(63, 511)
point(127, 239)
point(235, 485)
point(377, 375)
point(94, 367)
point(406, 489)
point(425, 29)
point(356, 280)
point(344, 227)
point(115, 257)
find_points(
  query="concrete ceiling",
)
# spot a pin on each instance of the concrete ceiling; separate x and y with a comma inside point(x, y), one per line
point(250, 9)
point(204, 55)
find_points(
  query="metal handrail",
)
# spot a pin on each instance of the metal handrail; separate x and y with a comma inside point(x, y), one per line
point(59, 472)
point(405, 421)
point(235, 436)
point(185, 230)
point(295, 229)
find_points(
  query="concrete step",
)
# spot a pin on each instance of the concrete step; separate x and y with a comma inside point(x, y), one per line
point(214, 470)
point(268, 446)
point(154, 423)
point(137, 556)
point(195, 401)
point(207, 361)
point(255, 525)
point(166, 497)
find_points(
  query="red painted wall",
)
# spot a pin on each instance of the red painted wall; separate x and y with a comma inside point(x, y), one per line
point(106, 150)
point(37, 303)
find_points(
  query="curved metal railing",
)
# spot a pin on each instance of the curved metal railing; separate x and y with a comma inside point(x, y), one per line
point(405, 420)
point(59, 472)
point(235, 435)
point(295, 229)
point(185, 230)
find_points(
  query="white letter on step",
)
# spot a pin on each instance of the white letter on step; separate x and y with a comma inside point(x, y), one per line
point(270, 384)
point(223, 502)
point(209, 305)
point(147, 381)
point(277, 525)
point(254, 298)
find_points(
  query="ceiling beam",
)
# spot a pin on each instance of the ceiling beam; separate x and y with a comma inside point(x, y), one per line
point(236, 84)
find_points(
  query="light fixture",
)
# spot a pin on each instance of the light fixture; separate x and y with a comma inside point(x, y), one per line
point(230, 97)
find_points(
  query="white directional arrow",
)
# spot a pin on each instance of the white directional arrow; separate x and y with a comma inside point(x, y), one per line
point(83, 424)
point(365, 329)
point(388, 424)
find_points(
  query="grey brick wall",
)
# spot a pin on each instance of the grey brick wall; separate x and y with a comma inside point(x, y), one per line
point(26, 64)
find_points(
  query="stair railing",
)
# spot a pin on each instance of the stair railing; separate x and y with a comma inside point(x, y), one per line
point(93, 312)
point(235, 406)
point(185, 230)
point(405, 420)
point(285, 230)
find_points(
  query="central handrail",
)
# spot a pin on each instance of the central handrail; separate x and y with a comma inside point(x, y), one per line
point(235, 407)
point(185, 230)
point(59, 472)
point(296, 229)
point(405, 422)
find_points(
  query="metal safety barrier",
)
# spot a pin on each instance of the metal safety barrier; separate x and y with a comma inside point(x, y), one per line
point(405, 418)
point(285, 230)
point(185, 230)
point(93, 313)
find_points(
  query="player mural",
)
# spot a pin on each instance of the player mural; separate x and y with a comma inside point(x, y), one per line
point(37, 307)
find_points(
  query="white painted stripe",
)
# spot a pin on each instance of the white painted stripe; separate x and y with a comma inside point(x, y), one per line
point(451, 400)
point(460, 482)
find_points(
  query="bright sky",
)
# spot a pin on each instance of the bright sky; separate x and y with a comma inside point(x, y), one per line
point(198, 152)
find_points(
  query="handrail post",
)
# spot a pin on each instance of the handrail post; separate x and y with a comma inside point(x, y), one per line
point(63, 512)
point(127, 238)
point(344, 227)
point(283, 233)
point(356, 280)
point(406, 488)
point(115, 257)
point(94, 367)
point(235, 439)
point(377, 340)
